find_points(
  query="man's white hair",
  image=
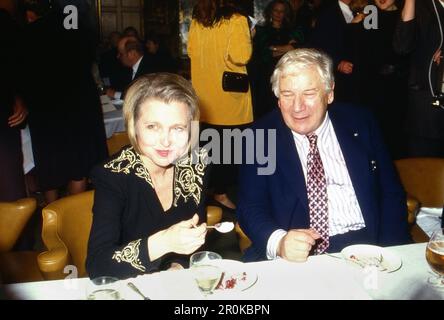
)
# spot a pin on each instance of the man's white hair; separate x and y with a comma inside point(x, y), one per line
point(297, 60)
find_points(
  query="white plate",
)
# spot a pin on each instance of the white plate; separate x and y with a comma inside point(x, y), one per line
point(363, 255)
point(235, 277)
point(117, 102)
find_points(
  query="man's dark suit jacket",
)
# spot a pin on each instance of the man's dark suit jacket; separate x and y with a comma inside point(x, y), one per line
point(279, 201)
point(145, 67)
point(332, 35)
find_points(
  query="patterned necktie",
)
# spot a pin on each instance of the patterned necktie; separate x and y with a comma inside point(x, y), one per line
point(317, 194)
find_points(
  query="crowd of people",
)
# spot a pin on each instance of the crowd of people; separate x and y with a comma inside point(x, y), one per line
point(344, 100)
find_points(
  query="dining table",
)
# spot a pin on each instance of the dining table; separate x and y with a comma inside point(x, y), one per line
point(321, 277)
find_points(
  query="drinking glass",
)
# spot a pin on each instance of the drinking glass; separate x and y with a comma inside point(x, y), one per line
point(435, 258)
point(203, 265)
point(103, 288)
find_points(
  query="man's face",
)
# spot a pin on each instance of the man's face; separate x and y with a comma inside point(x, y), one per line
point(303, 100)
point(123, 56)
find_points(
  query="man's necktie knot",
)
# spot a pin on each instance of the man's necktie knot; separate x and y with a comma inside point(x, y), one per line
point(313, 139)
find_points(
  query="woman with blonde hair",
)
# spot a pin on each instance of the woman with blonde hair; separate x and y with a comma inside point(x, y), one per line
point(149, 197)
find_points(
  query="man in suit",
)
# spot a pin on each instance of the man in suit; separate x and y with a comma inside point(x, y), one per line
point(330, 35)
point(334, 183)
point(130, 52)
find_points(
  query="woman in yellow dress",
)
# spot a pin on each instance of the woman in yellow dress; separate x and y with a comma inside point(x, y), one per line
point(219, 40)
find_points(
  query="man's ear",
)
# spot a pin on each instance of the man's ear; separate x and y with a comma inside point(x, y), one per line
point(279, 103)
point(331, 94)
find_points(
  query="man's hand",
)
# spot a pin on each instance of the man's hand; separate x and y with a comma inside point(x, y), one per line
point(297, 243)
point(358, 18)
point(19, 115)
point(345, 67)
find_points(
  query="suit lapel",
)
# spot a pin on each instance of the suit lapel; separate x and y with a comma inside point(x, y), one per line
point(289, 166)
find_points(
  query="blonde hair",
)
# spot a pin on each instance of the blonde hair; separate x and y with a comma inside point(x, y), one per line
point(296, 60)
point(165, 87)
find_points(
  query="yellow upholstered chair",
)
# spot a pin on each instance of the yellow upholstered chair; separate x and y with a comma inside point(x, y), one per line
point(20, 266)
point(214, 215)
point(66, 226)
point(244, 241)
point(423, 181)
point(116, 142)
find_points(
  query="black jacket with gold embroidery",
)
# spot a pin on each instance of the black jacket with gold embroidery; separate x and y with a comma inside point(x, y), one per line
point(127, 211)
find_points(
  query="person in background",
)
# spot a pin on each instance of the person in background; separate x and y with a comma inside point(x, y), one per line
point(112, 72)
point(13, 112)
point(159, 55)
point(149, 202)
point(132, 55)
point(381, 74)
point(418, 34)
point(334, 183)
point(219, 40)
point(330, 35)
point(272, 40)
point(65, 115)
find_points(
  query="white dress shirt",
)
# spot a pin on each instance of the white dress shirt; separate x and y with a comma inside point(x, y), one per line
point(135, 67)
point(346, 11)
point(344, 213)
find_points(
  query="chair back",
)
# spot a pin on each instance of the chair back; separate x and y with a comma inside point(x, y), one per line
point(423, 179)
point(13, 218)
point(66, 227)
point(116, 142)
point(214, 215)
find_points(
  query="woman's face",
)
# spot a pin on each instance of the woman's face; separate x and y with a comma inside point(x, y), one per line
point(385, 4)
point(163, 131)
point(278, 13)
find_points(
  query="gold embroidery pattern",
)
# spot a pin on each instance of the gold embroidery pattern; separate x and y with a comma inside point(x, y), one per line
point(129, 160)
point(130, 254)
point(189, 177)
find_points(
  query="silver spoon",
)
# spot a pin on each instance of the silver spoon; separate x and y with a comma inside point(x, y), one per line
point(133, 286)
point(222, 227)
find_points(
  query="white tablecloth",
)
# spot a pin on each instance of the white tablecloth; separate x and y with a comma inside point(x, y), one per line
point(113, 123)
point(321, 277)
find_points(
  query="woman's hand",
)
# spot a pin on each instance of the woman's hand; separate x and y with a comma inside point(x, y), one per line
point(184, 237)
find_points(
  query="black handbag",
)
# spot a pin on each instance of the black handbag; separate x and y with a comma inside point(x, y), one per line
point(235, 82)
